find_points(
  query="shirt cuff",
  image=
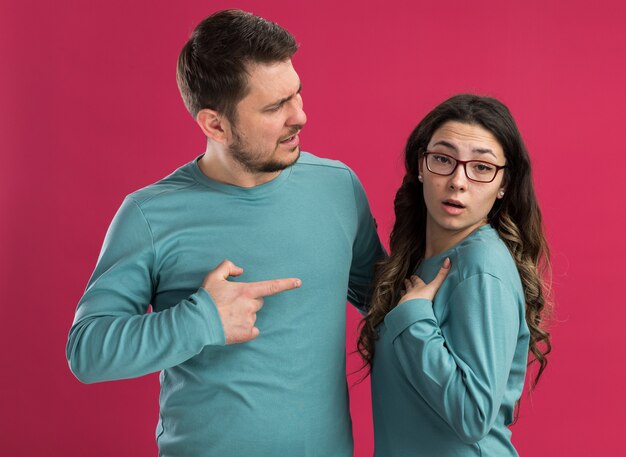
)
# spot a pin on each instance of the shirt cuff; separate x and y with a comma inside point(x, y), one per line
point(215, 329)
point(407, 313)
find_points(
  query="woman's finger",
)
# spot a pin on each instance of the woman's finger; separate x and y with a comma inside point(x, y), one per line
point(441, 276)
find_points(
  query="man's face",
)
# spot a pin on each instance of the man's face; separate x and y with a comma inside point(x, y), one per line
point(264, 136)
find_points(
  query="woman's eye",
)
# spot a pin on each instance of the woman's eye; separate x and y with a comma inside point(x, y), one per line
point(442, 159)
point(483, 168)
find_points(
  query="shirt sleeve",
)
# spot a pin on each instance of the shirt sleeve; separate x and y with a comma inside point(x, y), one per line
point(462, 373)
point(366, 251)
point(113, 336)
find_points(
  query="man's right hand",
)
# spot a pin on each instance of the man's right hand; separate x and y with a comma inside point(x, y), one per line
point(238, 302)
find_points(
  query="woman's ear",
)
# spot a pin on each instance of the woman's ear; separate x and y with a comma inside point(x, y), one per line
point(501, 193)
point(420, 164)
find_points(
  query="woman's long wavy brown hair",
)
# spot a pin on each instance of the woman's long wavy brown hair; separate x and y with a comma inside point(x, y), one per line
point(516, 217)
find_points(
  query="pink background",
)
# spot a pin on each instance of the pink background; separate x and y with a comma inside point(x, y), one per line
point(89, 111)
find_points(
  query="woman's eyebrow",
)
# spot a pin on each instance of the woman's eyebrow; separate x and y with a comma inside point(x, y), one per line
point(484, 151)
point(446, 144)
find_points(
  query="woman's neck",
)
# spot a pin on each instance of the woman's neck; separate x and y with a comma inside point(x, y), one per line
point(439, 239)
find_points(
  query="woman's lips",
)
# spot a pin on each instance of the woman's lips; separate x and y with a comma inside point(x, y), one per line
point(453, 207)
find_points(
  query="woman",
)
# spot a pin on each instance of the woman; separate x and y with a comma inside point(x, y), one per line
point(458, 304)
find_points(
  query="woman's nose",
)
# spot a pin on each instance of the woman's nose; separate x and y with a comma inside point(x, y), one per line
point(458, 178)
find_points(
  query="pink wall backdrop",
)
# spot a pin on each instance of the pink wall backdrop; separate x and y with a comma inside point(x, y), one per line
point(89, 111)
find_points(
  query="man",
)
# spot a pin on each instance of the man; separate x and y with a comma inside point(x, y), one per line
point(250, 365)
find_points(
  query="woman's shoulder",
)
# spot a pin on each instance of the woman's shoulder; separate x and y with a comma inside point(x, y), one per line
point(484, 252)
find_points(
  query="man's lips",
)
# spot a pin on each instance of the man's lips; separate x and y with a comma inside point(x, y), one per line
point(293, 139)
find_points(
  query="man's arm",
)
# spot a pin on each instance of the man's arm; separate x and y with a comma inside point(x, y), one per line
point(112, 336)
point(366, 251)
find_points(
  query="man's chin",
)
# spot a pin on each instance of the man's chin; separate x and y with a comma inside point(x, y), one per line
point(275, 165)
point(294, 156)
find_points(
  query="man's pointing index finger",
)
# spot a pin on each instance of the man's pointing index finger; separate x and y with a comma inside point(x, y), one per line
point(272, 286)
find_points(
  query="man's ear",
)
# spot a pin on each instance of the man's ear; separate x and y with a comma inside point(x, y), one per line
point(212, 124)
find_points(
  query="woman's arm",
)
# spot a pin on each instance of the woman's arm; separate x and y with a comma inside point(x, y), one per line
point(462, 373)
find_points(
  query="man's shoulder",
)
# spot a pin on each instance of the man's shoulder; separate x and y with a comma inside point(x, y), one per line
point(180, 179)
point(331, 171)
point(308, 159)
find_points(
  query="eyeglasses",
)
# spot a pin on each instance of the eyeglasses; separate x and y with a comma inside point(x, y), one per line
point(475, 170)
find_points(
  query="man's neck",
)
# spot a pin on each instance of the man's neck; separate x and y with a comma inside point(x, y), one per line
point(218, 165)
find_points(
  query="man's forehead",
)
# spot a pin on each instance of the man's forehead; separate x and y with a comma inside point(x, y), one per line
point(274, 80)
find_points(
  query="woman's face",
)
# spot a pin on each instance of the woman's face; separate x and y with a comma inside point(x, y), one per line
point(457, 205)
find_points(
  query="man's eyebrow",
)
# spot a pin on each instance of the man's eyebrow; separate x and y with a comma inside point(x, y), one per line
point(283, 100)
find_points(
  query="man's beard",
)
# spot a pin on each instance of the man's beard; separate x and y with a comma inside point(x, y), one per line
point(252, 162)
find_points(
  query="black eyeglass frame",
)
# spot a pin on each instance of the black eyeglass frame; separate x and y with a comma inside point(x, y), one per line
point(464, 163)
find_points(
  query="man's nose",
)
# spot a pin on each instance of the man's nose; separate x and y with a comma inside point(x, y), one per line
point(297, 116)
